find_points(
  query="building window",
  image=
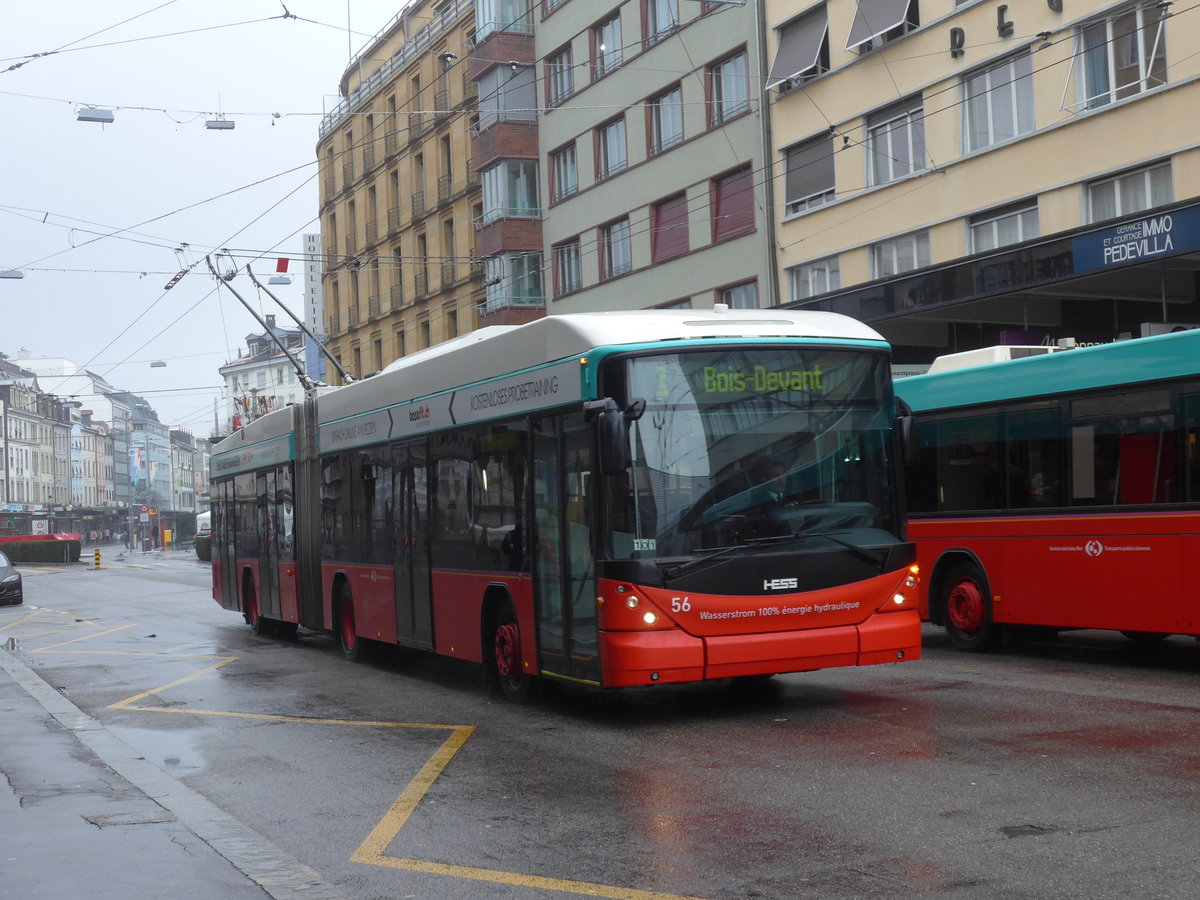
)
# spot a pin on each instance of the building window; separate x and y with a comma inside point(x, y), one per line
point(616, 250)
point(510, 190)
point(568, 272)
point(1129, 192)
point(732, 200)
point(606, 45)
point(741, 296)
point(507, 94)
point(1120, 56)
point(896, 141)
point(802, 49)
point(902, 254)
point(514, 279)
point(728, 90)
point(610, 149)
point(813, 278)
point(999, 103)
point(669, 228)
point(666, 120)
point(502, 15)
point(879, 22)
point(560, 77)
point(562, 171)
point(808, 175)
point(1008, 225)
point(661, 17)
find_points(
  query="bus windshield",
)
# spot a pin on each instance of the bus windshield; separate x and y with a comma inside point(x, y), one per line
point(754, 444)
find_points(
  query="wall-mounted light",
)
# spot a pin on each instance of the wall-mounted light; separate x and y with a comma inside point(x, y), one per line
point(94, 114)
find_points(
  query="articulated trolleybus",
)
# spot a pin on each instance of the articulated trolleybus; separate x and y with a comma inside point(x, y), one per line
point(1061, 491)
point(611, 499)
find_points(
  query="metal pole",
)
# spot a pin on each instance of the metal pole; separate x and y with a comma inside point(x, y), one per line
point(346, 376)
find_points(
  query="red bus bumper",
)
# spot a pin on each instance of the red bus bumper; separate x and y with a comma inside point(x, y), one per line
point(660, 657)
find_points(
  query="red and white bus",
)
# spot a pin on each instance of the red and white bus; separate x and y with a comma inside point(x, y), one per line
point(1060, 490)
point(611, 499)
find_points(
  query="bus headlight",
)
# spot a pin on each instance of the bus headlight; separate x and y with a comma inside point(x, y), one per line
point(899, 599)
point(650, 617)
point(631, 601)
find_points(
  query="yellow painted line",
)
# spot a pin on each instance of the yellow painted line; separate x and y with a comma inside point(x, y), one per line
point(373, 849)
point(137, 566)
point(586, 888)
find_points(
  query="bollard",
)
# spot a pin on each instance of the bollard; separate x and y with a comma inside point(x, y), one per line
point(96, 559)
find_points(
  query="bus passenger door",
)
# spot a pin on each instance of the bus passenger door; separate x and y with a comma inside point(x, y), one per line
point(564, 572)
point(268, 547)
point(414, 619)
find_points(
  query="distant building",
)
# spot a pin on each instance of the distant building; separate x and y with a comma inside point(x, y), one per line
point(263, 378)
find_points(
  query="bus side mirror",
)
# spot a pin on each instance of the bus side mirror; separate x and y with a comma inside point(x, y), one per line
point(610, 435)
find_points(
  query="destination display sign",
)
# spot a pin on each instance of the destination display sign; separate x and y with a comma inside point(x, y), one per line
point(256, 456)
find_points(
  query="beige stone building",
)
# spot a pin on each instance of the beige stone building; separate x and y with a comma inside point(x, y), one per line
point(399, 192)
point(961, 174)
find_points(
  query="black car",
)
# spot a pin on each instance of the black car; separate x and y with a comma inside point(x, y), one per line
point(10, 582)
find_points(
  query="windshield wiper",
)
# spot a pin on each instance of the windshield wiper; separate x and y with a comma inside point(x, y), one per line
point(879, 558)
point(679, 568)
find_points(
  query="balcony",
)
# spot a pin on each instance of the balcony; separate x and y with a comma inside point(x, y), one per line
point(441, 105)
point(347, 174)
point(418, 204)
point(372, 233)
point(373, 311)
point(416, 124)
point(470, 87)
point(445, 189)
point(368, 155)
point(391, 143)
point(396, 294)
point(328, 187)
point(332, 325)
point(354, 323)
point(393, 220)
point(421, 286)
point(449, 271)
point(351, 245)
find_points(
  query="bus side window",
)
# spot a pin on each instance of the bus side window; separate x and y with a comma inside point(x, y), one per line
point(1190, 465)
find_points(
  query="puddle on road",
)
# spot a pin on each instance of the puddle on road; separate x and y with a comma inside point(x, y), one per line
point(172, 751)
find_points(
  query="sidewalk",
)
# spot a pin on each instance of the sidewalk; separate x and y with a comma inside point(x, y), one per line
point(85, 816)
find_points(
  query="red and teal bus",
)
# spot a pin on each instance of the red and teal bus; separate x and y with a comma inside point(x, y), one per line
point(610, 499)
point(1060, 490)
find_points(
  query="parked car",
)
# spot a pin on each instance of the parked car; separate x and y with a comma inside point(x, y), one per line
point(10, 582)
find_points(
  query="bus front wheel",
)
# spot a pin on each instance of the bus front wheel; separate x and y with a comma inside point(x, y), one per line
point(507, 663)
point(968, 610)
point(259, 623)
point(348, 638)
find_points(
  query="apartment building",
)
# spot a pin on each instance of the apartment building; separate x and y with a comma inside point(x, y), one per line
point(652, 135)
point(399, 192)
point(960, 174)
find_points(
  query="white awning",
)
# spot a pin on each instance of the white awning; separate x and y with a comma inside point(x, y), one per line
point(799, 45)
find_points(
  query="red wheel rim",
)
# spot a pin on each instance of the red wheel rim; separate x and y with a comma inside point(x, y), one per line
point(965, 606)
point(508, 650)
point(349, 632)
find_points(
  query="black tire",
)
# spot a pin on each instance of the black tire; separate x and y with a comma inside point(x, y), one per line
point(966, 604)
point(506, 658)
point(353, 646)
point(259, 623)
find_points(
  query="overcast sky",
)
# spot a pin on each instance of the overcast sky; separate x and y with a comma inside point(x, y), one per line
point(95, 215)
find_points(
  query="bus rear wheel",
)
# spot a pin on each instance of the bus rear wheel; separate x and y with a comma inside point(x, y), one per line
point(968, 610)
point(507, 663)
point(348, 637)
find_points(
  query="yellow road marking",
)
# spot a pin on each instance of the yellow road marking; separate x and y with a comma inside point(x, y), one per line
point(372, 851)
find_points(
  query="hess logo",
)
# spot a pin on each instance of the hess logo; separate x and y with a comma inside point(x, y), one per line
point(779, 584)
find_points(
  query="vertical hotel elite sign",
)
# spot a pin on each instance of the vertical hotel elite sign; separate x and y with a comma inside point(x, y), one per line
point(314, 306)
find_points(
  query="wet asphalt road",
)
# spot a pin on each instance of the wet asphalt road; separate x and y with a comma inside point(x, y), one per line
point(1059, 770)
